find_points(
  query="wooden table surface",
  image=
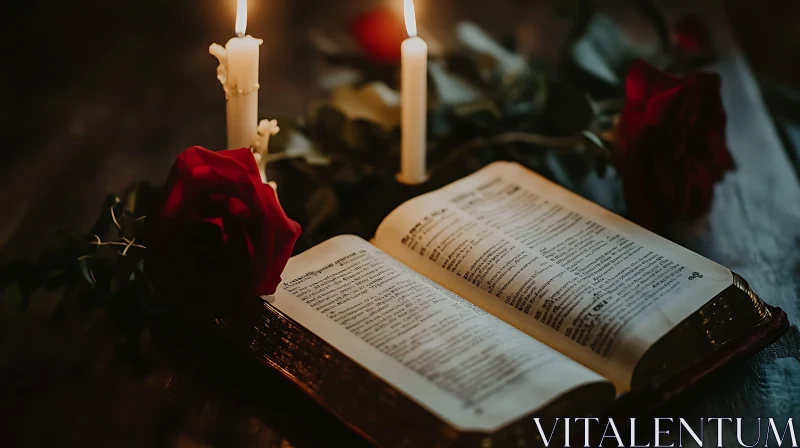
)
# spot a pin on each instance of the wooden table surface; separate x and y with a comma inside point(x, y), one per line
point(101, 94)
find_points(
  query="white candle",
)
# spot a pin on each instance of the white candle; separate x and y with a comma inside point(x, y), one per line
point(238, 73)
point(414, 102)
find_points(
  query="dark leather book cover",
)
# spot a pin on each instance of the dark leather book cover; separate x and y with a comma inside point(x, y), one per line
point(386, 417)
point(739, 348)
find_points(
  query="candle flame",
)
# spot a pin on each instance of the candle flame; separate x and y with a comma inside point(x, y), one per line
point(241, 17)
point(411, 18)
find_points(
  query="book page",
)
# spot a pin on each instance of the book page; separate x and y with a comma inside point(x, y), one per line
point(587, 282)
point(465, 365)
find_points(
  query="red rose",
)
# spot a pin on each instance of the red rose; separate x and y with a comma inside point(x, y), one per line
point(691, 35)
point(379, 33)
point(672, 147)
point(218, 238)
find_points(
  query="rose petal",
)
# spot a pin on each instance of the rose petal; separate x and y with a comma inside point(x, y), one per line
point(246, 158)
point(284, 235)
point(237, 208)
point(173, 200)
point(231, 168)
point(219, 224)
point(643, 80)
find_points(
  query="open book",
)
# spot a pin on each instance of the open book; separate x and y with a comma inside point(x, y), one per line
point(496, 298)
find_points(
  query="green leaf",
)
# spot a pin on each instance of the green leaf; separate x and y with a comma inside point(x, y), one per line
point(450, 89)
point(352, 137)
point(605, 51)
point(321, 205)
point(655, 14)
point(103, 266)
point(139, 199)
point(466, 68)
point(83, 263)
point(129, 204)
point(525, 96)
point(104, 222)
point(124, 270)
point(499, 60)
point(480, 114)
point(327, 122)
point(375, 102)
point(336, 133)
point(291, 143)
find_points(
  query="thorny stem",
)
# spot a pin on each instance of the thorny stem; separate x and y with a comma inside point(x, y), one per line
point(125, 242)
point(114, 218)
point(119, 244)
point(130, 243)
